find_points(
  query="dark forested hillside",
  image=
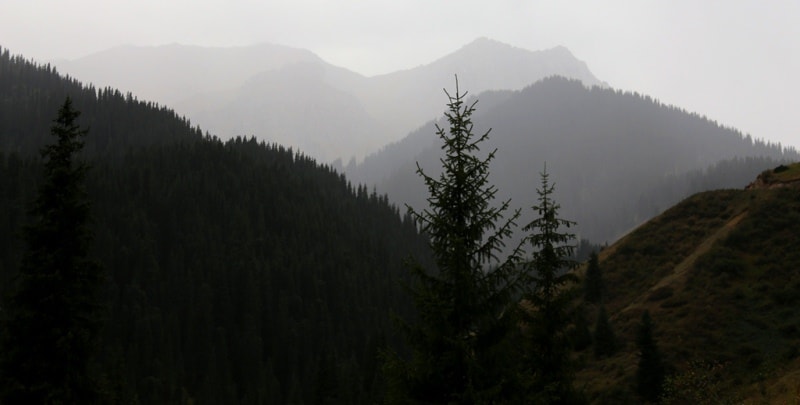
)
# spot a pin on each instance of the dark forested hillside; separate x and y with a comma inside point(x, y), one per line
point(611, 153)
point(239, 272)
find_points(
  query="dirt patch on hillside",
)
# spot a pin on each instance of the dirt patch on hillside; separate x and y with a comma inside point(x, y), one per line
point(677, 278)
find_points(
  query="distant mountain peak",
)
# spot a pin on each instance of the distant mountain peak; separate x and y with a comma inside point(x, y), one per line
point(489, 44)
point(485, 44)
point(486, 41)
point(520, 67)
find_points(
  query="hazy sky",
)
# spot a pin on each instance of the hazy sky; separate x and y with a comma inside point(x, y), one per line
point(738, 62)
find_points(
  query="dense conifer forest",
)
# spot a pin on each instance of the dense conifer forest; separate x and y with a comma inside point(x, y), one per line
point(238, 272)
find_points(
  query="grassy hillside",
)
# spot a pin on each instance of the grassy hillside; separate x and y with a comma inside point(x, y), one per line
point(788, 173)
point(717, 273)
point(777, 177)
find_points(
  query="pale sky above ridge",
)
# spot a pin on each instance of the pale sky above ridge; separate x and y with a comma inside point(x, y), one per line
point(735, 61)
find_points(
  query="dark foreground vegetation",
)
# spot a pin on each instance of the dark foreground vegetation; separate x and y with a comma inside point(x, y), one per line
point(184, 269)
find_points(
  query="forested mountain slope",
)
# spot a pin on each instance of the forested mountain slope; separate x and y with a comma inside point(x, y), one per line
point(717, 274)
point(29, 95)
point(239, 272)
point(618, 158)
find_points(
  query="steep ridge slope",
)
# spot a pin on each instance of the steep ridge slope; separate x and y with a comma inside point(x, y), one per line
point(29, 93)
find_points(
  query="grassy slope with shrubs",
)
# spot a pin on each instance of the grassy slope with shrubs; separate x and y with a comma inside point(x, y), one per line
point(718, 273)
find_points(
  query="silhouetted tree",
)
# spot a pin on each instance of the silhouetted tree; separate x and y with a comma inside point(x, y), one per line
point(54, 312)
point(593, 284)
point(605, 341)
point(458, 344)
point(547, 290)
point(581, 336)
point(650, 371)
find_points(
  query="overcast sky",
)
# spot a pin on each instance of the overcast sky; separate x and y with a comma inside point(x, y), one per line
point(735, 61)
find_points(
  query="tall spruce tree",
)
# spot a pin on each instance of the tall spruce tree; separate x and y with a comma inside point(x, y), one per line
point(459, 344)
point(650, 371)
point(548, 296)
point(53, 313)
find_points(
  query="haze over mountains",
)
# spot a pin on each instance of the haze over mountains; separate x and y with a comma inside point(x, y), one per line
point(622, 157)
point(617, 158)
point(292, 97)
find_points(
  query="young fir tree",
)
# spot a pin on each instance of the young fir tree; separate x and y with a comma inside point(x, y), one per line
point(650, 372)
point(593, 283)
point(581, 336)
point(605, 341)
point(459, 344)
point(548, 294)
point(53, 314)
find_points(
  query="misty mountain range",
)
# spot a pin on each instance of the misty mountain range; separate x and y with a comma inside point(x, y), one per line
point(621, 157)
point(293, 97)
